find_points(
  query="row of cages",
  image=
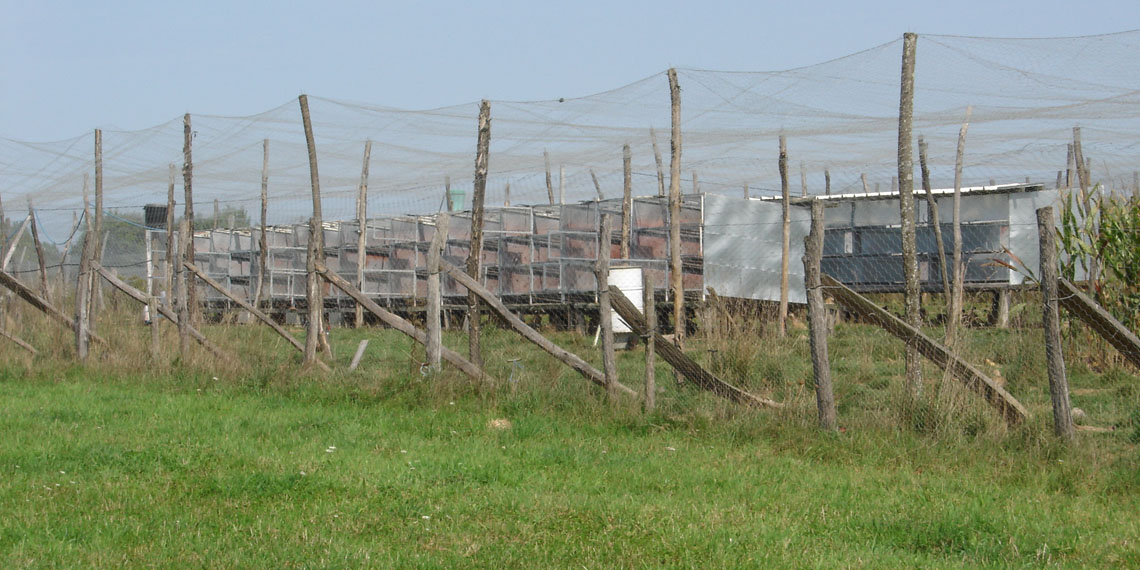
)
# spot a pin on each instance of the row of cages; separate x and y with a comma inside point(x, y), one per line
point(529, 254)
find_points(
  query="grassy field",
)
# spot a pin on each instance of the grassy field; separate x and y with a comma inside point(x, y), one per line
point(204, 464)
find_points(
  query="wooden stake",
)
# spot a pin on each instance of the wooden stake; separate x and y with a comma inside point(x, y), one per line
point(362, 230)
point(434, 300)
point(958, 271)
point(188, 215)
point(935, 222)
point(171, 248)
point(474, 258)
point(447, 193)
point(826, 182)
point(605, 317)
point(359, 354)
point(626, 199)
point(649, 296)
point(1058, 383)
point(675, 268)
point(786, 237)
point(262, 239)
point(911, 297)
point(597, 187)
point(82, 325)
point(182, 296)
point(549, 183)
point(39, 252)
point(660, 166)
point(817, 319)
point(803, 180)
point(15, 242)
point(314, 333)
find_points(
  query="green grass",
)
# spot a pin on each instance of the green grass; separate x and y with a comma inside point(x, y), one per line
point(129, 462)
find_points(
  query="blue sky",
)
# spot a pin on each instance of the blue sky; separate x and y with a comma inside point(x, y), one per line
point(69, 67)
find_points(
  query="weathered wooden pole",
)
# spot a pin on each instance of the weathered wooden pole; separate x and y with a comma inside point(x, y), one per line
point(626, 199)
point(597, 186)
point(217, 214)
point(182, 286)
point(935, 222)
point(447, 194)
point(826, 182)
point(83, 285)
point(650, 337)
point(39, 252)
point(786, 237)
point(171, 246)
point(660, 166)
point(912, 293)
point(262, 239)
point(97, 230)
point(817, 319)
point(8, 253)
point(803, 180)
point(314, 332)
point(605, 315)
point(507, 195)
point(863, 178)
point(188, 215)
point(474, 257)
point(362, 230)
point(675, 275)
point(1085, 182)
point(549, 182)
point(434, 293)
point(958, 271)
point(696, 183)
point(1058, 383)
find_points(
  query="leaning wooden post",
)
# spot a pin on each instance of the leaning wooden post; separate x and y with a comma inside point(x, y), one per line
point(675, 275)
point(1058, 383)
point(660, 166)
point(362, 230)
point(39, 252)
point(549, 182)
point(435, 300)
point(474, 257)
point(911, 298)
point(786, 236)
point(262, 239)
point(957, 271)
point(314, 333)
point(605, 315)
point(597, 186)
point(188, 215)
point(935, 222)
point(627, 199)
point(649, 295)
point(817, 319)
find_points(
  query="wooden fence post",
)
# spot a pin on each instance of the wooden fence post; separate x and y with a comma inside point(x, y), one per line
point(182, 296)
point(474, 258)
point(675, 269)
point(97, 230)
point(650, 336)
point(188, 214)
point(171, 246)
point(786, 236)
point(935, 221)
point(39, 252)
point(262, 239)
point(314, 333)
point(605, 315)
point(83, 286)
point(912, 294)
point(435, 296)
point(549, 182)
point(957, 271)
point(660, 166)
point(817, 319)
point(1058, 383)
point(626, 199)
point(362, 230)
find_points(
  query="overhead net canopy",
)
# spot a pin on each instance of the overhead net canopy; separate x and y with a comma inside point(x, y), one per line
point(839, 117)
